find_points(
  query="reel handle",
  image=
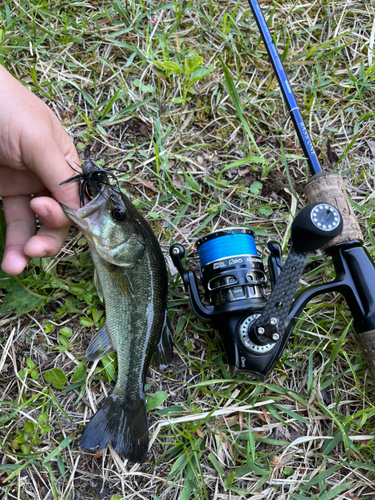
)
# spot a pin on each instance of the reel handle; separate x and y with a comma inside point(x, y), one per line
point(275, 262)
point(313, 227)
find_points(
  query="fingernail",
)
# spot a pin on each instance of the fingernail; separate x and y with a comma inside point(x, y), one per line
point(42, 211)
point(42, 255)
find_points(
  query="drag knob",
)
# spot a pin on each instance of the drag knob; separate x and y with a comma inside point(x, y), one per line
point(315, 226)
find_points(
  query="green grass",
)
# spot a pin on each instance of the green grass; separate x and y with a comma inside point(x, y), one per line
point(224, 153)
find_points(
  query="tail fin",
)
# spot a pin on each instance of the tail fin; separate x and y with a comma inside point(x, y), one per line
point(122, 425)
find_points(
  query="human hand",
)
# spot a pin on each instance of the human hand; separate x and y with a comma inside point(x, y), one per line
point(34, 155)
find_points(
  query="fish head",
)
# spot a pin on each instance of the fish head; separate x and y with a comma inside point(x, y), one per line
point(110, 225)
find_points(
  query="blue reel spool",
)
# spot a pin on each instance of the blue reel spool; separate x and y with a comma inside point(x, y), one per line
point(230, 242)
point(230, 267)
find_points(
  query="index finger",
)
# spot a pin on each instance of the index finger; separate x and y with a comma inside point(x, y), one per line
point(54, 169)
point(52, 160)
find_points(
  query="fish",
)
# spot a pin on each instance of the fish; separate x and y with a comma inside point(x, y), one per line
point(131, 277)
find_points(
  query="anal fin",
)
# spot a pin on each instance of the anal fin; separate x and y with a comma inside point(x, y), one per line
point(100, 345)
point(164, 350)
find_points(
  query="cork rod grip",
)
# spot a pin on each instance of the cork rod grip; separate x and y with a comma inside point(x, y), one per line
point(329, 188)
point(367, 343)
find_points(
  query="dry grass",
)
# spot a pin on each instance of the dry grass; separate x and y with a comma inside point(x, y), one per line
point(308, 432)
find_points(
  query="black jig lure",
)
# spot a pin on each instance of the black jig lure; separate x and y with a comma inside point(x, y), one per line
point(91, 181)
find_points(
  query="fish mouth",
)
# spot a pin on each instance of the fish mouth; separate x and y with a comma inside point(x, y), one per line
point(81, 217)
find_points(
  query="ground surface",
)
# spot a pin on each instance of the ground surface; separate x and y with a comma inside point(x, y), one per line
point(306, 433)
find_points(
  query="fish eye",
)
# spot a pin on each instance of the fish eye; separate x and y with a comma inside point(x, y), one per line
point(118, 214)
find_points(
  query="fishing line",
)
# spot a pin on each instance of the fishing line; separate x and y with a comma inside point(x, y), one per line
point(158, 126)
point(224, 246)
point(95, 119)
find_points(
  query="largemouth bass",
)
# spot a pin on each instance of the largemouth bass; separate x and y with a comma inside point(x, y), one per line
point(131, 277)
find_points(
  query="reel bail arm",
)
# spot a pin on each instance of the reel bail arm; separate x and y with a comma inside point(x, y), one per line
point(204, 313)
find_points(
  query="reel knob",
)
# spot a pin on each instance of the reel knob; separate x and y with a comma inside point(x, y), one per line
point(315, 226)
point(177, 251)
point(245, 337)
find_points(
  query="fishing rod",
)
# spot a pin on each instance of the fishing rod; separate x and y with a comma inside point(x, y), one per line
point(254, 328)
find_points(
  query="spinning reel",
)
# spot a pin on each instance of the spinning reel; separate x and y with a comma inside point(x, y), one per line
point(254, 329)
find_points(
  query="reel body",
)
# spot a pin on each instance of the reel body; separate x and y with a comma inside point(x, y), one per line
point(255, 328)
point(234, 281)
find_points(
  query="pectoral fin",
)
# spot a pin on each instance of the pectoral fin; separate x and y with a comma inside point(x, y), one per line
point(164, 350)
point(98, 286)
point(127, 287)
point(100, 345)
